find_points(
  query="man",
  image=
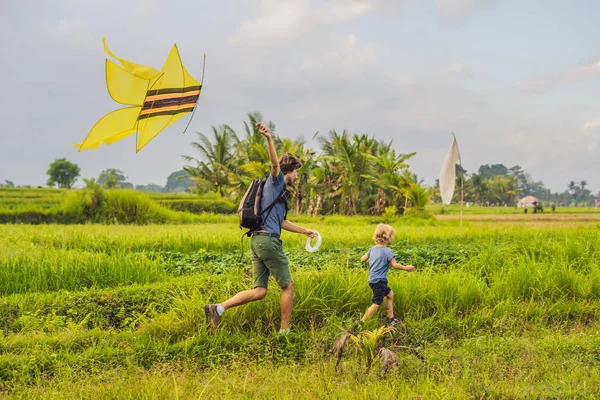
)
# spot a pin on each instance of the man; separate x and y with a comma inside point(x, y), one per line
point(268, 257)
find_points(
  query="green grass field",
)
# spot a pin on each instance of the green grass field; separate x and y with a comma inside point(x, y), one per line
point(495, 310)
point(41, 199)
point(454, 209)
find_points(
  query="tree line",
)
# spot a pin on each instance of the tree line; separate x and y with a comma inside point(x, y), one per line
point(348, 174)
point(499, 185)
point(351, 174)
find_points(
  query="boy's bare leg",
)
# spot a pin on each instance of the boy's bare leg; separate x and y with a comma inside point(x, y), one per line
point(286, 304)
point(370, 311)
point(389, 304)
point(247, 296)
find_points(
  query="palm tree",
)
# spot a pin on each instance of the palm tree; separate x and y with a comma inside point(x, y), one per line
point(418, 196)
point(572, 187)
point(512, 188)
point(254, 146)
point(111, 178)
point(250, 158)
point(496, 188)
point(307, 157)
point(388, 177)
point(345, 156)
point(212, 168)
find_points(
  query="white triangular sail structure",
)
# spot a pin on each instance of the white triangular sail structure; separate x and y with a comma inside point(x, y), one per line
point(448, 173)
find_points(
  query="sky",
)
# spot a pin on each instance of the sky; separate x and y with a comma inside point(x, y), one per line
point(518, 82)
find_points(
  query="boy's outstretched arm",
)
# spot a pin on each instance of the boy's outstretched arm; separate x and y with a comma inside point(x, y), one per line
point(397, 265)
point(264, 130)
point(364, 257)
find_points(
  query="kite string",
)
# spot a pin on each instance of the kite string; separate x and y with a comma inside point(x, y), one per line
point(201, 85)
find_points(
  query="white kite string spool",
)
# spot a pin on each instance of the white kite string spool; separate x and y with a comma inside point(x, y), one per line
point(310, 248)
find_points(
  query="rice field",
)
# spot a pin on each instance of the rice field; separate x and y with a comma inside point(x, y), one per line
point(494, 309)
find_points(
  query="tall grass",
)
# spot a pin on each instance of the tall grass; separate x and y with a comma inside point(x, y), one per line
point(498, 311)
point(513, 262)
point(120, 207)
point(39, 270)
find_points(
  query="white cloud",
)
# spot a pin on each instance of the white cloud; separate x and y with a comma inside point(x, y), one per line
point(457, 12)
point(456, 68)
point(317, 69)
point(68, 26)
point(339, 11)
point(590, 125)
point(570, 75)
point(343, 58)
point(459, 70)
point(282, 20)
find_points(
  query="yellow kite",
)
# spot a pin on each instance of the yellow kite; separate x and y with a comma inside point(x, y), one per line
point(156, 100)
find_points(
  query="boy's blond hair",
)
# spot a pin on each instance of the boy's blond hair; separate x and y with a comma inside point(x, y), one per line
point(383, 234)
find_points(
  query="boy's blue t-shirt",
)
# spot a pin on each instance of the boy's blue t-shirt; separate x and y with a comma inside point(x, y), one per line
point(379, 263)
point(271, 191)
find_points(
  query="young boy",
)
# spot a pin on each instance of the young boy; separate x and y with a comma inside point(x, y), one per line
point(380, 259)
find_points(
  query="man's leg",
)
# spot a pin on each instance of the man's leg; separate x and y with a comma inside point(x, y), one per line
point(247, 296)
point(279, 266)
point(260, 273)
point(286, 303)
point(213, 312)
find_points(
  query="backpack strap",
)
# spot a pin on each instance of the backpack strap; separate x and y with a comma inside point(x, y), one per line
point(270, 207)
point(286, 209)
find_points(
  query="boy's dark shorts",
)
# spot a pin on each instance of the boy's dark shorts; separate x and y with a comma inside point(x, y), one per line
point(380, 290)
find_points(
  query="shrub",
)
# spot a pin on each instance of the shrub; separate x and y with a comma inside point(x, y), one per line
point(118, 206)
point(219, 206)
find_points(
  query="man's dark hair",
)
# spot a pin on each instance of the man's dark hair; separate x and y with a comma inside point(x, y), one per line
point(289, 163)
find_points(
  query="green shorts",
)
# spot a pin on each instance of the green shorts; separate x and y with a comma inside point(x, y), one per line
point(268, 258)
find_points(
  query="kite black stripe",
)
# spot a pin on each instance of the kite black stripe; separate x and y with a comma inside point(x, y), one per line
point(172, 90)
point(174, 101)
point(161, 113)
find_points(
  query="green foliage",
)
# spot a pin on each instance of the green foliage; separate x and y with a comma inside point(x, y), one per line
point(151, 187)
point(178, 181)
point(355, 174)
point(419, 198)
point(487, 172)
point(211, 170)
point(62, 173)
point(198, 206)
point(366, 342)
point(389, 214)
point(118, 206)
point(113, 179)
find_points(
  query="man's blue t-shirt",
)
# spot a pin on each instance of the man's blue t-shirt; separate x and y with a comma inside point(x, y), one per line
point(379, 263)
point(271, 191)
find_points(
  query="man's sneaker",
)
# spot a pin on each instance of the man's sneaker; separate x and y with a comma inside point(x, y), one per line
point(392, 322)
point(212, 317)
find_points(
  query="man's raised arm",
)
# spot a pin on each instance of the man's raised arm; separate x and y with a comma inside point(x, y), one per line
point(264, 130)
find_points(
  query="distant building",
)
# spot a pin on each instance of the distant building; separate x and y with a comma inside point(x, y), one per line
point(527, 202)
